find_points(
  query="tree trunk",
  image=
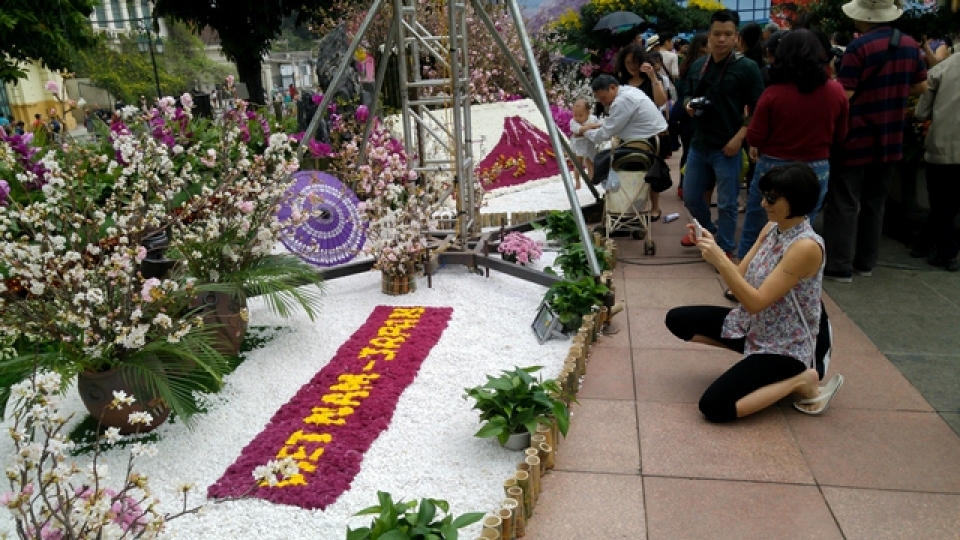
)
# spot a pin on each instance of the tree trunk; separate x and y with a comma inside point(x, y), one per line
point(248, 68)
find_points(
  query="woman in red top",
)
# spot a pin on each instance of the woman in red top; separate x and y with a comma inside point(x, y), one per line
point(799, 116)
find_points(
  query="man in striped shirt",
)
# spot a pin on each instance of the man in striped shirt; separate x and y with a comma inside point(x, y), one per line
point(880, 69)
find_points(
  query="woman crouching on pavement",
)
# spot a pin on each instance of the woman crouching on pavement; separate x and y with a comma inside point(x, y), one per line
point(778, 285)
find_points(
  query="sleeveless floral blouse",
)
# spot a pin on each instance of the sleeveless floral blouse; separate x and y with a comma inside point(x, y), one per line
point(779, 329)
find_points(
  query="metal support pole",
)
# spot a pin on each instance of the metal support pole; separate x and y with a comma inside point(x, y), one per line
point(378, 87)
point(528, 87)
point(338, 78)
point(541, 96)
point(153, 60)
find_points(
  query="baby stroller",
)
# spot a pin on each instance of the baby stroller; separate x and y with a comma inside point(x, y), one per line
point(628, 208)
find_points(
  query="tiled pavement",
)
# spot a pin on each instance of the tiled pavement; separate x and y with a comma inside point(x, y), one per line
point(640, 461)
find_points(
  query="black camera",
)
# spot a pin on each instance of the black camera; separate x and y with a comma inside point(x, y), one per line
point(700, 104)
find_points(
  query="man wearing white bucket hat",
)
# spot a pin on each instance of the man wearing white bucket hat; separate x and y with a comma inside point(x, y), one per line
point(880, 69)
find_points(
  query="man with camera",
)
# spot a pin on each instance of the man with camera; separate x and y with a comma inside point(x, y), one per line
point(725, 83)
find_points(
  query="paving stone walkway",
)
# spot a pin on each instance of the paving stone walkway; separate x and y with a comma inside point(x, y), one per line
point(883, 462)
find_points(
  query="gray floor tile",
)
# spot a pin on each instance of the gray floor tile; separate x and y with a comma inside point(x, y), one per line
point(889, 290)
point(932, 332)
point(936, 377)
point(945, 283)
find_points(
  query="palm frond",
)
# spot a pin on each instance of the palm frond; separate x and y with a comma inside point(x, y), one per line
point(175, 371)
point(285, 281)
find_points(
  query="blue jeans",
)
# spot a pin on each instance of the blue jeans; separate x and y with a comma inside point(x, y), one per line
point(756, 216)
point(702, 167)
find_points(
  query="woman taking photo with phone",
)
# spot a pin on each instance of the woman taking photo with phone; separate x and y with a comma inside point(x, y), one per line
point(778, 284)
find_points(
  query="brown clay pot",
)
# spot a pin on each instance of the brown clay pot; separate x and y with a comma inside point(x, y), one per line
point(96, 390)
point(227, 316)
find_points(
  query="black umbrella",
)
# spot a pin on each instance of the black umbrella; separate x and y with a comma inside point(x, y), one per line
point(618, 21)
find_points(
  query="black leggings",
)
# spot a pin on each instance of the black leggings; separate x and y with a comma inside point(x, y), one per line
point(719, 402)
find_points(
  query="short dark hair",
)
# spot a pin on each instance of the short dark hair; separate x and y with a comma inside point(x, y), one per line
point(797, 183)
point(799, 60)
point(665, 36)
point(770, 47)
point(603, 82)
point(724, 16)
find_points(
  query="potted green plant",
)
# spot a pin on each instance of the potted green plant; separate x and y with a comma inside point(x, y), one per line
point(571, 300)
point(514, 403)
point(572, 261)
point(410, 520)
point(561, 227)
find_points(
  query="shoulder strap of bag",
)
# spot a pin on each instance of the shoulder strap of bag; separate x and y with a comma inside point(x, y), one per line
point(891, 47)
point(806, 327)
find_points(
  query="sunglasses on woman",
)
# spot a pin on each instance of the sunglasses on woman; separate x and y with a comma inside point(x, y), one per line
point(771, 198)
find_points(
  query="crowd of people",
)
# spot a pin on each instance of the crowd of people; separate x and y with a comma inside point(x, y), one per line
point(821, 120)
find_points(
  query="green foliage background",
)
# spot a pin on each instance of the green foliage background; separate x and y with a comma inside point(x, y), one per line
point(128, 74)
point(246, 28)
point(43, 30)
point(937, 24)
point(667, 14)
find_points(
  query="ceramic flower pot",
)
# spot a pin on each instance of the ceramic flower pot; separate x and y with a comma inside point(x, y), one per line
point(228, 316)
point(518, 441)
point(96, 390)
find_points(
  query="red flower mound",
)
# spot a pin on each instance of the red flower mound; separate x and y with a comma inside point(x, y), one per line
point(332, 421)
point(523, 154)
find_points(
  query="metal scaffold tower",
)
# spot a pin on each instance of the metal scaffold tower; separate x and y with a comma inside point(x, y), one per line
point(447, 55)
point(434, 82)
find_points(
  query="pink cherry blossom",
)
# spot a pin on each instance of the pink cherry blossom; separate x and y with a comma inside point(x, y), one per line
point(148, 286)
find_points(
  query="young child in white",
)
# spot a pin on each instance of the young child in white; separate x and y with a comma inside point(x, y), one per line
point(582, 147)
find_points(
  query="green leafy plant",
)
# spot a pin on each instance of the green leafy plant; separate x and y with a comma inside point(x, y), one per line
point(516, 401)
point(562, 227)
point(403, 520)
point(915, 21)
point(571, 300)
point(572, 261)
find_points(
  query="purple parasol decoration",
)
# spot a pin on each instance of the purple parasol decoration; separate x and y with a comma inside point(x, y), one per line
point(332, 232)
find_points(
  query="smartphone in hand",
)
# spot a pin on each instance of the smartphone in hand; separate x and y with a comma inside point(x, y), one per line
point(698, 230)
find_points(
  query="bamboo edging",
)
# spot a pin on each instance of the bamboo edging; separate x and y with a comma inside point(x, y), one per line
point(509, 521)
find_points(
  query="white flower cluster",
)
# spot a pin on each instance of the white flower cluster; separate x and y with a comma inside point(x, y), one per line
point(71, 252)
point(275, 470)
point(52, 496)
point(232, 219)
point(395, 206)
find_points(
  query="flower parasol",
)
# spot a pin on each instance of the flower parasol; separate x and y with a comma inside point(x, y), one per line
point(330, 237)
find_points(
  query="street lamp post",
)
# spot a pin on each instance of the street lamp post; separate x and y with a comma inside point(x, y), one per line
point(146, 43)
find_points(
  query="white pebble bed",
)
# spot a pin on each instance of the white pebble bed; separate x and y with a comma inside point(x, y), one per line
point(429, 449)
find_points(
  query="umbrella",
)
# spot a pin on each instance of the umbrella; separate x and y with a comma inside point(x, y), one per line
point(333, 231)
point(619, 20)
